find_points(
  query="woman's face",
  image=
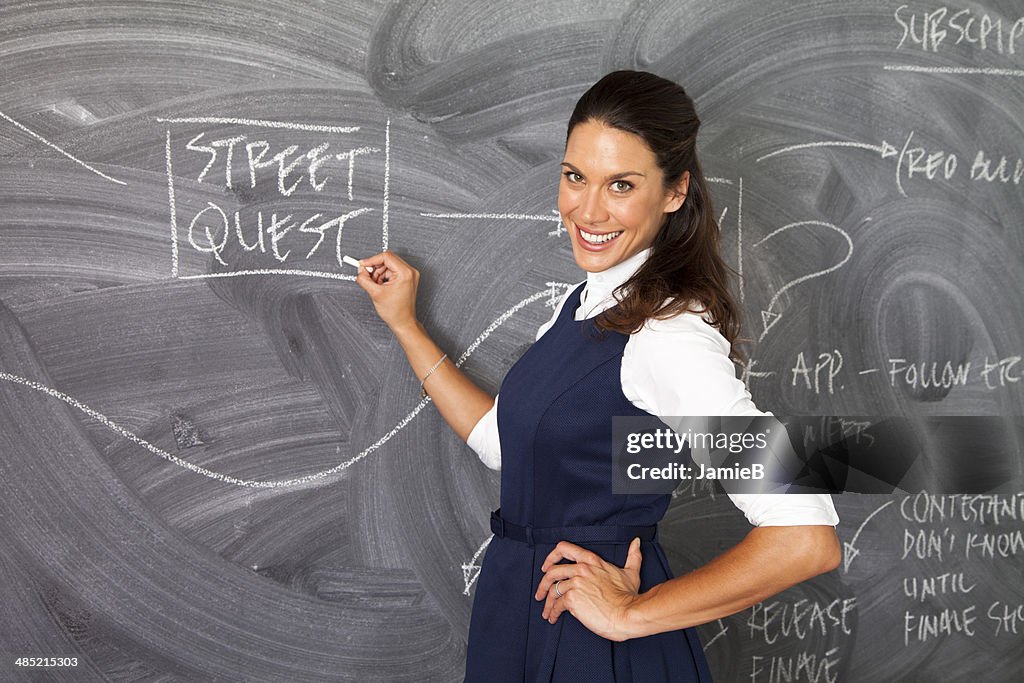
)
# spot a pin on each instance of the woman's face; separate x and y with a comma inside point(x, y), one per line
point(612, 196)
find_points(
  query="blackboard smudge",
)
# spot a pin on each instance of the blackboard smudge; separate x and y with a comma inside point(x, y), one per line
point(186, 434)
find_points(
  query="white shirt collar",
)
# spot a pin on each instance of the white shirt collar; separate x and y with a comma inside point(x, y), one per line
point(597, 295)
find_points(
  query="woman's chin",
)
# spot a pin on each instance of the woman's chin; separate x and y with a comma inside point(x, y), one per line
point(592, 263)
point(596, 261)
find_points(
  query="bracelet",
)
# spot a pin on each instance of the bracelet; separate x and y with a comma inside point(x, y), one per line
point(423, 390)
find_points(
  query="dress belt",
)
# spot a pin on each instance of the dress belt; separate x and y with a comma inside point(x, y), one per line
point(595, 533)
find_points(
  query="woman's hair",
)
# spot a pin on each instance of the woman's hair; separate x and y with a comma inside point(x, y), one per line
point(685, 265)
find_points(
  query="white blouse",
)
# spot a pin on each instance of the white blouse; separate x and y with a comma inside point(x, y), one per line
point(678, 366)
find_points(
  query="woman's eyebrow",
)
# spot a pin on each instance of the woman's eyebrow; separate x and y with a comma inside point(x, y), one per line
point(611, 177)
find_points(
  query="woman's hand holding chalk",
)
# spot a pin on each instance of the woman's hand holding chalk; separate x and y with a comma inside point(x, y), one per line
point(392, 288)
point(352, 262)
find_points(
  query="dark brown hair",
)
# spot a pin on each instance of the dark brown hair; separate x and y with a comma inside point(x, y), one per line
point(685, 264)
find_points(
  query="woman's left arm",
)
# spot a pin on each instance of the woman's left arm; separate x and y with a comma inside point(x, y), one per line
point(767, 561)
point(604, 597)
point(680, 366)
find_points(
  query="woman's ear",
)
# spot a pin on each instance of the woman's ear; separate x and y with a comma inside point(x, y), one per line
point(677, 195)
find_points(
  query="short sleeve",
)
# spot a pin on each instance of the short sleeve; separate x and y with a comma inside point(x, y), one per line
point(792, 509)
point(483, 438)
point(681, 366)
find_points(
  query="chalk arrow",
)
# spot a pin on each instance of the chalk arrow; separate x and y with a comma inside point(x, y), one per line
point(722, 630)
point(850, 549)
point(849, 553)
point(561, 225)
point(769, 319)
point(768, 316)
point(885, 149)
point(470, 572)
point(471, 569)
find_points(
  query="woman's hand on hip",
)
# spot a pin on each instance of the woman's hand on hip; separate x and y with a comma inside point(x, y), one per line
point(596, 592)
point(392, 288)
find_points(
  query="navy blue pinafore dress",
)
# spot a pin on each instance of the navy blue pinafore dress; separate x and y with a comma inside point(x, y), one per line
point(554, 424)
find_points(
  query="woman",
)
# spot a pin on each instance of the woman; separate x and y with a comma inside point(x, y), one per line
point(574, 584)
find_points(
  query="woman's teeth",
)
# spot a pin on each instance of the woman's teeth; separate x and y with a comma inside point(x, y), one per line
point(599, 239)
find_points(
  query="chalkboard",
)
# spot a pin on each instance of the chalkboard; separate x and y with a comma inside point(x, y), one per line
point(214, 462)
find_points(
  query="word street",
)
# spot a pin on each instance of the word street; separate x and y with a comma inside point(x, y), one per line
point(290, 195)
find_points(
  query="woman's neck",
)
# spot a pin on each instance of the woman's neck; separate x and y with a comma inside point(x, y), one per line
point(597, 295)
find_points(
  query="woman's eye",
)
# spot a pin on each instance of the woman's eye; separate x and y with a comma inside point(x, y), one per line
point(573, 176)
point(622, 186)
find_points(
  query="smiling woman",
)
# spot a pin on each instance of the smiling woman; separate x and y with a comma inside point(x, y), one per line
point(612, 214)
point(575, 584)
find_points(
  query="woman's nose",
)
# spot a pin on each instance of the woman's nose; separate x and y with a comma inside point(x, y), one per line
point(592, 208)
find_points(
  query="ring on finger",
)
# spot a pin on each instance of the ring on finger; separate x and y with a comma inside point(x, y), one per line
point(558, 592)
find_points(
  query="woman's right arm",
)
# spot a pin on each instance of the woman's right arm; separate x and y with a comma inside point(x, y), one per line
point(392, 289)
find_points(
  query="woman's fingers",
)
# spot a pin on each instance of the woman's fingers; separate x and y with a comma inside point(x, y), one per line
point(634, 558)
point(380, 270)
point(389, 260)
point(555, 603)
point(387, 267)
point(367, 280)
point(558, 573)
point(587, 586)
point(569, 551)
point(392, 287)
point(374, 261)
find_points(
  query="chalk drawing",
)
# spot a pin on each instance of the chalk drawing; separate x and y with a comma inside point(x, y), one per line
point(284, 483)
point(46, 142)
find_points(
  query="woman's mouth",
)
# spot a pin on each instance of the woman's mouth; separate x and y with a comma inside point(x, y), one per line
point(594, 241)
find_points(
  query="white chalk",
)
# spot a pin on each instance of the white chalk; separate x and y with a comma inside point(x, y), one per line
point(953, 70)
point(46, 142)
point(354, 263)
point(286, 125)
